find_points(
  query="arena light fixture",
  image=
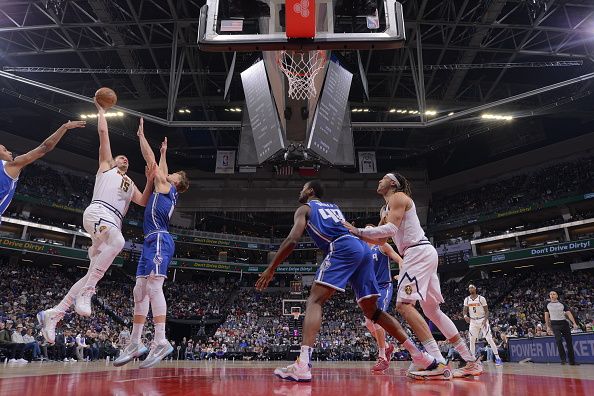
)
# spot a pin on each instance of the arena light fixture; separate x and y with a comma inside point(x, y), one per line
point(431, 112)
point(392, 110)
point(451, 113)
point(184, 111)
point(497, 117)
point(107, 115)
point(524, 266)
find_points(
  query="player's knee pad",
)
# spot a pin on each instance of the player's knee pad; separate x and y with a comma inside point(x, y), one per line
point(139, 289)
point(141, 301)
point(156, 296)
point(402, 307)
point(115, 239)
point(376, 315)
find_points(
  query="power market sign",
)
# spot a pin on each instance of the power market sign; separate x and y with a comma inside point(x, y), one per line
point(560, 248)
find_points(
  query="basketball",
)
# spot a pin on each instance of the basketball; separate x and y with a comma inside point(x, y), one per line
point(106, 97)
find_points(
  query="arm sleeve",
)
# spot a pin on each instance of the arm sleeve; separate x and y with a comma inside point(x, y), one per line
point(387, 230)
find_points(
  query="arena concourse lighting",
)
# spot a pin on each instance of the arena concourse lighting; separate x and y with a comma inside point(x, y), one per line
point(107, 115)
point(497, 117)
point(184, 111)
point(234, 109)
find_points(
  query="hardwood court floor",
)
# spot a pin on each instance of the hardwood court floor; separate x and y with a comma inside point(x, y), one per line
point(227, 378)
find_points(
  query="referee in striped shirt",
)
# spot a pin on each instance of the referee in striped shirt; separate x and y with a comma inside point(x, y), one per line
point(556, 314)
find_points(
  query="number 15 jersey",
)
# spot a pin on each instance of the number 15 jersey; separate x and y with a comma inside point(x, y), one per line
point(114, 191)
point(325, 223)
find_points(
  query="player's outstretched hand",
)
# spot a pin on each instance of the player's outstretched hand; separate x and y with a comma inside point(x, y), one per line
point(100, 109)
point(140, 131)
point(264, 279)
point(352, 229)
point(75, 124)
point(164, 146)
point(150, 171)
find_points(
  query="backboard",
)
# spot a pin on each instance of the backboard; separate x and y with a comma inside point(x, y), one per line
point(230, 25)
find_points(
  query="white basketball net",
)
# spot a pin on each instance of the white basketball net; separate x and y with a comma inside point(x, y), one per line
point(301, 69)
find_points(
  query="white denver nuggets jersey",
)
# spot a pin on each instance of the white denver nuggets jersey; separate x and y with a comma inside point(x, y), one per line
point(114, 191)
point(476, 308)
point(410, 233)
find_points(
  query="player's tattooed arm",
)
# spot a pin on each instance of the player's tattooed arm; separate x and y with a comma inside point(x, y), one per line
point(15, 167)
point(398, 205)
point(486, 308)
point(465, 311)
point(287, 247)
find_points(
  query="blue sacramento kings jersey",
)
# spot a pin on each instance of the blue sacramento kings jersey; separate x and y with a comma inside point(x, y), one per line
point(7, 187)
point(325, 223)
point(158, 211)
point(381, 265)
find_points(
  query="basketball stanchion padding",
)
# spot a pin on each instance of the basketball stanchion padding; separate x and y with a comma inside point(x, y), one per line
point(300, 18)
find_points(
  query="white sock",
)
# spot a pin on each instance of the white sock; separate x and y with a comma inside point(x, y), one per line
point(433, 350)
point(160, 333)
point(462, 349)
point(68, 299)
point(381, 352)
point(423, 360)
point(305, 354)
point(136, 333)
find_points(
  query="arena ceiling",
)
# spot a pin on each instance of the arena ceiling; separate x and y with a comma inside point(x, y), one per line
point(459, 54)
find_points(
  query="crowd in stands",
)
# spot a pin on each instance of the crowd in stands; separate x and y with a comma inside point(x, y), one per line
point(530, 189)
point(27, 289)
point(252, 324)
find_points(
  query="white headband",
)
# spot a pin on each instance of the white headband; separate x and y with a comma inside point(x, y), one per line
point(392, 177)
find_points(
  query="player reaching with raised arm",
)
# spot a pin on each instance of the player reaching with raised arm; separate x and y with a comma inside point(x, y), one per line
point(12, 166)
point(348, 261)
point(102, 219)
point(157, 252)
point(418, 279)
point(476, 313)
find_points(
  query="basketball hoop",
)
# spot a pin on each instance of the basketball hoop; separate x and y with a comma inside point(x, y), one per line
point(295, 315)
point(301, 69)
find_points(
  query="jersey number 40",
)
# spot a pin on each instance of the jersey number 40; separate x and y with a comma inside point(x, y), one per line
point(334, 214)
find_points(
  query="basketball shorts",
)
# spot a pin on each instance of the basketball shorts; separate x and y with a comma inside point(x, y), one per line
point(157, 251)
point(97, 220)
point(385, 298)
point(418, 279)
point(476, 328)
point(349, 261)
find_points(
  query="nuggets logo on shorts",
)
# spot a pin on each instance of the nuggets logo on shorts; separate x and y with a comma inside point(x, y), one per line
point(408, 289)
point(102, 228)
